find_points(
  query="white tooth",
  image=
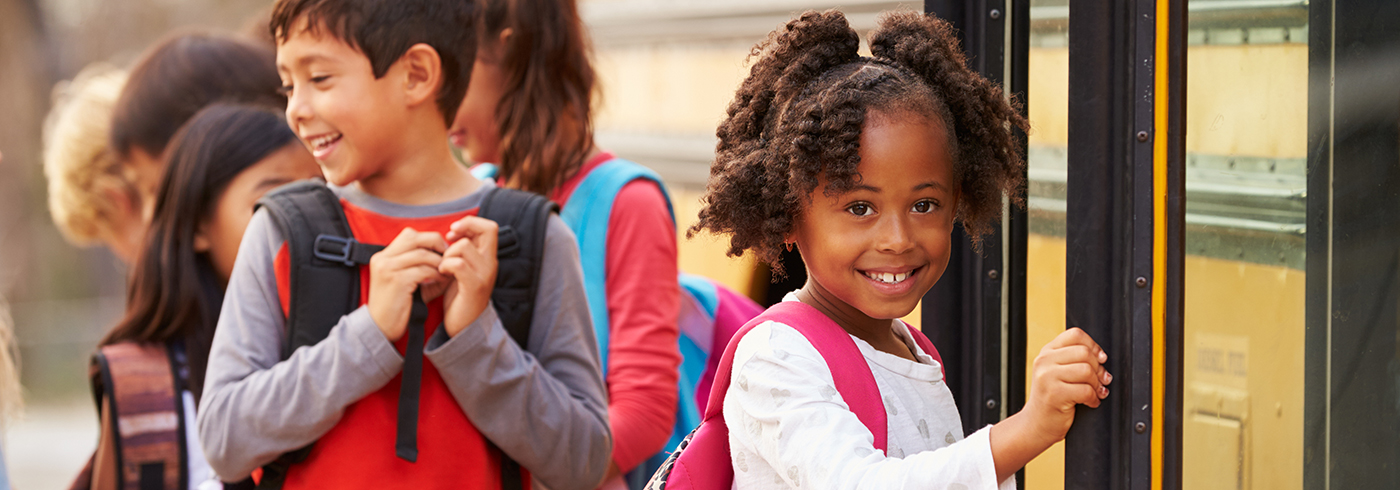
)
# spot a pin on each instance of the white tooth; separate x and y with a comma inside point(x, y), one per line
point(901, 277)
point(887, 277)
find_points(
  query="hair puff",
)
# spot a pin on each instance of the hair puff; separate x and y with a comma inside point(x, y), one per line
point(799, 115)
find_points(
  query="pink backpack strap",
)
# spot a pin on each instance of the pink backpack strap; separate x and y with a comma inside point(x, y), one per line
point(856, 384)
point(706, 464)
point(927, 345)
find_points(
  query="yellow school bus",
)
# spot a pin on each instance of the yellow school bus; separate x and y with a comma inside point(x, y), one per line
point(1214, 194)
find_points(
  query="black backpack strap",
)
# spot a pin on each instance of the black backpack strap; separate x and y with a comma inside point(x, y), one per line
point(325, 284)
point(522, 219)
point(324, 279)
point(406, 439)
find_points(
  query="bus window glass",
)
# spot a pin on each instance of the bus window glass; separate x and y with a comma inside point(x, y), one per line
point(1047, 104)
point(1246, 201)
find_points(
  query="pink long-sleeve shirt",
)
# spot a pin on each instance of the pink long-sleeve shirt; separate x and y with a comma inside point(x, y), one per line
point(643, 300)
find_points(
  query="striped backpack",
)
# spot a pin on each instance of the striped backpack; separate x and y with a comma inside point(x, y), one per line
point(141, 385)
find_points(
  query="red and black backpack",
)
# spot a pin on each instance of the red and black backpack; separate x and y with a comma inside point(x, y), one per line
point(325, 285)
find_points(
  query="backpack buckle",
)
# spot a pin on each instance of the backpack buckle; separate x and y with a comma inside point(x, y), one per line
point(507, 243)
point(334, 249)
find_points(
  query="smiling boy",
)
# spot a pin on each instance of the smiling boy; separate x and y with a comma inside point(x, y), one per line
point(371, 88)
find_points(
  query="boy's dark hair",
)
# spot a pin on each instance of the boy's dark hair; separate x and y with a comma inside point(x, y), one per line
point(384, 30)
point(545, 114)
point(182, 74)
point(800, 113)
point(174, 293)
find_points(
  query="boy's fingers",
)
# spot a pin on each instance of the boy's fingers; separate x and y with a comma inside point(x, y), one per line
point(454, 266)
point(399, 243)
point(480, 231)
point(478, 251)
point(411, 258)
point(428, 240)
point(468, 224)
point(463, 258)
point(409, 239)
point(458, 248)
point(420, 274)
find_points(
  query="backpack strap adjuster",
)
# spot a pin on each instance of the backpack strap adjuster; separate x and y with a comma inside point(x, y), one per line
point(507, 243)
point(347, 251)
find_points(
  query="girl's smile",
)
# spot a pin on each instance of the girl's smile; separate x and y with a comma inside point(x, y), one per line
point(873, 251)
point(892, 283)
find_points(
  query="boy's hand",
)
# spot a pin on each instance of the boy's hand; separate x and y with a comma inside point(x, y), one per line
point(471, 261)
point(1067, 372)
point(410, 260)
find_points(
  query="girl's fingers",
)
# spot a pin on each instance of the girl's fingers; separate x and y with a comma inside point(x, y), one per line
point(1075, 336)
point(1074, 374)
point(1070, 354)
point(1086, 395)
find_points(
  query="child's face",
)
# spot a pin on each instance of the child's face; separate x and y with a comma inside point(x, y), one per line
point(350, 120)
point(474, 130)
point(220, 233)
point(878, 248)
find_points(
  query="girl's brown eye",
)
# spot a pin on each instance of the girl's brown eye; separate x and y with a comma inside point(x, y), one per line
point(923, 206)
point(859, 209)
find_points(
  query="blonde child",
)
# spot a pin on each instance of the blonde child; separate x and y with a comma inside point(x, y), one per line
point(93, 198)
point(864, 164)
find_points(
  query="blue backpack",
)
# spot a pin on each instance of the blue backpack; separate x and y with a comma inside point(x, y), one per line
point(710, 313)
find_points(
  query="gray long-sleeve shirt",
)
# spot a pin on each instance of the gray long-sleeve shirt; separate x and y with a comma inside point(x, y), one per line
point(544, 406)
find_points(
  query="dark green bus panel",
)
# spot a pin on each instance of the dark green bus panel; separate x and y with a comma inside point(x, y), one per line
point(1352, 382)
point(1255, 330)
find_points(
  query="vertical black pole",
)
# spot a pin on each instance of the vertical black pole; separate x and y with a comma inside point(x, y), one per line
point(1110, 234)
point(1018, 224)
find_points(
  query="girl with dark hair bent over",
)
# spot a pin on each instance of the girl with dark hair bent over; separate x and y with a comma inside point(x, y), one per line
point(864, 164)
point(150, 367)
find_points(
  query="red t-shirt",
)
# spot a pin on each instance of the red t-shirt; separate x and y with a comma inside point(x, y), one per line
point(451, 452)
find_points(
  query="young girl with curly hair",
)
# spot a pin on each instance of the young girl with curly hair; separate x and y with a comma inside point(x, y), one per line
point(863, 164)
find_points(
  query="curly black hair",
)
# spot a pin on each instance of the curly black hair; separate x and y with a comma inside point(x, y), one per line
point(800, 113)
